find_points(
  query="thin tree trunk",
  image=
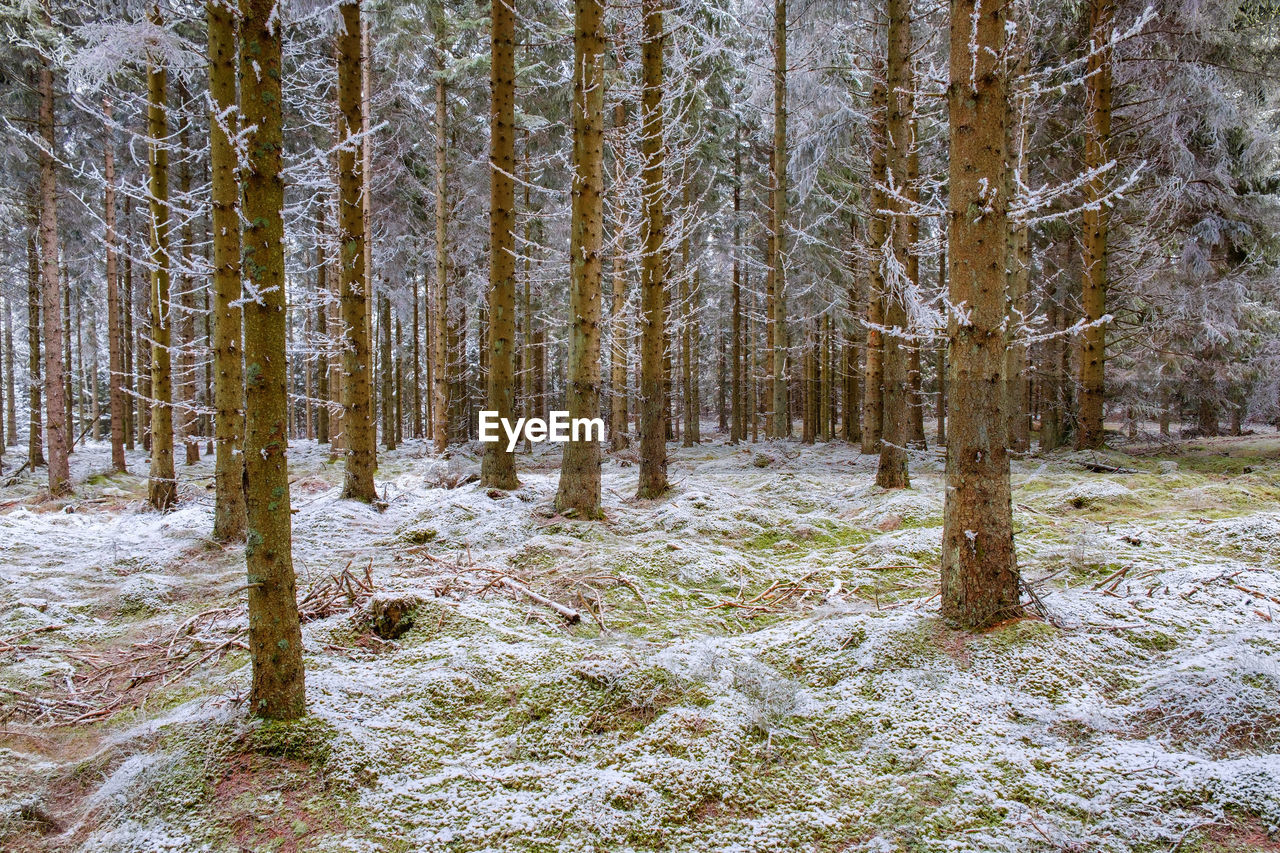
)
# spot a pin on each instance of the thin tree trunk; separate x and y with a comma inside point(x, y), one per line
point(51, 293)
point(188, 426)
point(440, 304)
point(778, 248)
point(163, 485)
point(653, 421)
point(1095, 223)
point(1019, 260)
point(980, 583)
point(10, 378)
point(579, 489)
point(130, 383)
point(115, 364)
point(873, 383)
point(498, 468)
point(895, 431)
point(357, 391)
point(388, 376)
point(35, 425)
point(275, 636)
point(417, 358)
point(228, 377)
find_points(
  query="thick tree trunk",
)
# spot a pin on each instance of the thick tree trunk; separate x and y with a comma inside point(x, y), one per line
point(51, 296)
point(357, 384)
point(162, 487)
point(653, 421)
point(579, 489)
point(980, 583)
point(275, 635)
point(228, 371)
point(115, 364)
point(778, 250)
point(498, 468)
point(1095, 223)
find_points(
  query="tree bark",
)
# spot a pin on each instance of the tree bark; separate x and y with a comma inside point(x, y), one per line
point(115, 364)
point(891, 473)
point(653, 421)
point(228, 373)
point(579, 489)
point(51, 295)
point(498, 468)
point(778, 249)
point(440, 302)
point(162, 487)
point(275, 636)
point(1095, 224)
point(877, 231)
point(357, 384)
point(187, 401)
point(980, 583)
point(35, 424)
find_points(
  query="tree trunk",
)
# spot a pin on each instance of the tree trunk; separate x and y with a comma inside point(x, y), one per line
point(653, 422)
point(891, 473)
point(162, 486)
point(357, 384)
point(1095, 222)
point(877, 231)
point(737, 432)
point(1019, 259)
point(778, 250)
point(187, 402)
point(417, 357)
point(51, 296)
point(275, 636)
point(388, 376)
point(114, 340)
point(980, 583)
point(35, 425)
point(228, 376)
point(498, 468)
point(619, 334)
point(130, 385)
point(440, 303)
point(10, 378)
point(579, 489)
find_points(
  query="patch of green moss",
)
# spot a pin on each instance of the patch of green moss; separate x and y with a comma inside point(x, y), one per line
point(1021, 632)
point(308, 739)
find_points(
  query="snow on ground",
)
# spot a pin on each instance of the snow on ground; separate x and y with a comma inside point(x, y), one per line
point(761, 665)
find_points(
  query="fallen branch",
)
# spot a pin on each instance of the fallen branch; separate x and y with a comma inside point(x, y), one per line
point(571, 616)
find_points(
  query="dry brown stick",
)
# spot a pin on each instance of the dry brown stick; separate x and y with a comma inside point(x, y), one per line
point(1120, 573)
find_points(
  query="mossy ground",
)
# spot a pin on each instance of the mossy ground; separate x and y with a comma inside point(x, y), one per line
point(766, 669)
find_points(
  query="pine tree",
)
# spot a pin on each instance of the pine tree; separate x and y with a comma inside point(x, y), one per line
point(357, 383)
point(778, 246)
point(162, 486)
point(115, 343)
point(579, 489)
point(891, 473)
point(498, 469)
point(275, 634)
point(979, 569)
point(228, 371)
point(56, 398)
point(653, 402)
point(1095, 225)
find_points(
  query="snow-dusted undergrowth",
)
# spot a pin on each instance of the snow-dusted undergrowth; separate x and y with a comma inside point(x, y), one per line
point(847, 717)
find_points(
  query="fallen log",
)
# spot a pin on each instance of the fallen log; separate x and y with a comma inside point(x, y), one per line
point(571, 616)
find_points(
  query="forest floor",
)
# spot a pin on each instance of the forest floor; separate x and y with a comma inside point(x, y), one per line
point(760, 664)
